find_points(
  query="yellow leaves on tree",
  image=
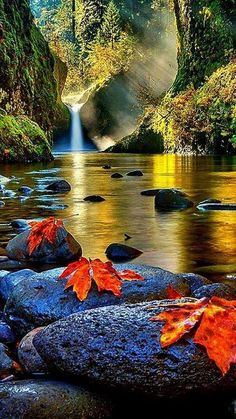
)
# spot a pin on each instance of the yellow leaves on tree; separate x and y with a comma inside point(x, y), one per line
point(83, 272)
point(216, 330)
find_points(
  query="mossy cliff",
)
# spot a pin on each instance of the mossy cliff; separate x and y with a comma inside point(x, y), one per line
point(29, 95)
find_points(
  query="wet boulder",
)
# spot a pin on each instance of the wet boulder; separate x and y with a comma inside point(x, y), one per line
point(20, 224)
point(120, 347)
point(218, 290)
point(25, 190)
point(121, 253)
point(2, 204)
point(41, 299)
point(5, 362)
point(194, 281)
point(135, 173)
point(154, 192)
point(9, 281)
point(6, 335)
point(171, 199)
point(44, 399)
point(94, 198)
point(64, 249)
point(29, 357)
point(117, 176)
point(60, 185)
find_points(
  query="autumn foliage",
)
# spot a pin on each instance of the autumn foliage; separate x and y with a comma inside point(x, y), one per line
point(46, 229)
point(216, 319)
point(84, 272)
point(172, 294)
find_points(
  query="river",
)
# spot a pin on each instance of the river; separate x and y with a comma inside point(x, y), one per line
point(180, 241)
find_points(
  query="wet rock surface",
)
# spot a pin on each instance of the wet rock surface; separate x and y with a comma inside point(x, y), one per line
point(6, 334)
point(121, 253)
point(217, 290)
point(94, 198)
point(41, 299)
point(20, 224)
point(119, 347)
point(29, 358)
point(59, 186)
point(135, 173)
point(117, 176)
point(65, 248)
point(9, 281)
point(44, 399)
point(154, 192)
point(5, 361)
point(171, 199)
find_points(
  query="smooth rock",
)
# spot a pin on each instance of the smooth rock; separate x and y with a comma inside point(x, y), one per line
point(2, 204)
point(29, 358)
point(64, 249)
point(116, 176)
point(20, 224)
point(8, 264)
point(59, 186)
point(194, 281)
point(154, 192)
point(120, 347)
point(8, 193)
point(25, 190)
point(8, 282)
point(217, 207)
point(218, 290)
point(6, 334)
point(94, 198)
point(121, 253)
point(41, 299)
point(5, 362)
point(135, 173)
point(51, 399)
point(170, 199)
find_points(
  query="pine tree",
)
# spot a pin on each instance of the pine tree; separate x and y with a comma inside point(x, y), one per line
point(91, 21)
point(111, 27)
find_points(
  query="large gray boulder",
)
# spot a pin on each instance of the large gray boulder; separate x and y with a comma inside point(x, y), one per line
point(44, 399)
point(120, 348)
point(41, 299)
point(65, 248)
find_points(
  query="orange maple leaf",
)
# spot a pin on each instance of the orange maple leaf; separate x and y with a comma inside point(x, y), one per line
point(172, 294)
point(46, 229)
point(107, 278)
point(216, 331)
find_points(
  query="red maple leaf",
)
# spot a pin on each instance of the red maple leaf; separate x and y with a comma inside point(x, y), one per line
point(46, 229)
point(172, 294)
point(216, 331)
point(83, 272)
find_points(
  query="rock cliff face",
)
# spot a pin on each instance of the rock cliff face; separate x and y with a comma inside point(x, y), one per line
point(29, 92)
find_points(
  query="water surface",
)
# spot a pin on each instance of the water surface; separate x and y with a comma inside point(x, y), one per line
point(180, 241)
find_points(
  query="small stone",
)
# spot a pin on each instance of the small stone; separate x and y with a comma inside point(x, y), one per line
point(217, 207)
point(2, 204)
point(94, 198)
point(117, 176)
point(59, 186)
point(135, 173)
point(106, 167)
point(121, 253)
point(25, 190)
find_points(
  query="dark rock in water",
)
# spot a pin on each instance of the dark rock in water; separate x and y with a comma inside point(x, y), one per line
point(8, 264)
point(116, 176)
point(28, 356)
point(217, 207)
point(121, 253)
point(5, 362)
point(59, 186)
point(64, 249)
point(6, 334)
point(120, 347)
point(106, 167)
point(20, 224)
point(217, 290)
point(25, 189)
point(2, 204)
point(135, 173)
point(41, 299)
point(8, 193)
point(127, 236)
point(51, 399)
point(8, 282)
point(94, 198)
point(194, 281)
point(171, 199)
point(210, 201)
point(154, 192)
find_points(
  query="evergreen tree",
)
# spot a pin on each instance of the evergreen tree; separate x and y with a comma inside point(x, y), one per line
point(111, 27)
point(93, 11)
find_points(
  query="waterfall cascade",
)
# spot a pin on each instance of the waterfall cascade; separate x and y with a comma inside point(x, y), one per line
point(76, 133)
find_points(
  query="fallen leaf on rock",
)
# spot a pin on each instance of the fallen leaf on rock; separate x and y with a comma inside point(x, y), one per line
point(83, 272)
point(46, 229)
point(216, 331)
point(172, 294)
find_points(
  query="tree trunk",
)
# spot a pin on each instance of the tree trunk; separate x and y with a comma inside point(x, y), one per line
point(205, 40)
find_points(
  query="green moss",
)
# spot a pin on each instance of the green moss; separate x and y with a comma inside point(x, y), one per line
point(201, 120)
point(22, 140)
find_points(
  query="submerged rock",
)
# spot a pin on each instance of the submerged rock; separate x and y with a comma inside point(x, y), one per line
point(64, 249)
point(94, 198)
point(217, 207)
point(41, 299)
point(171, 199)
point(120, 348)
point(44, 399)
point(106, 167)
point(29, 358)
point(59, 186)
point(121, 253)
point(135, 173)
point(116, 176)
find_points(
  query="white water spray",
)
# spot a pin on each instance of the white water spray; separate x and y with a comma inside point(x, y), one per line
point(76, 133)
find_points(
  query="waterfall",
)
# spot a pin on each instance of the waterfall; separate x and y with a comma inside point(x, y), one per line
point(76, 133)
